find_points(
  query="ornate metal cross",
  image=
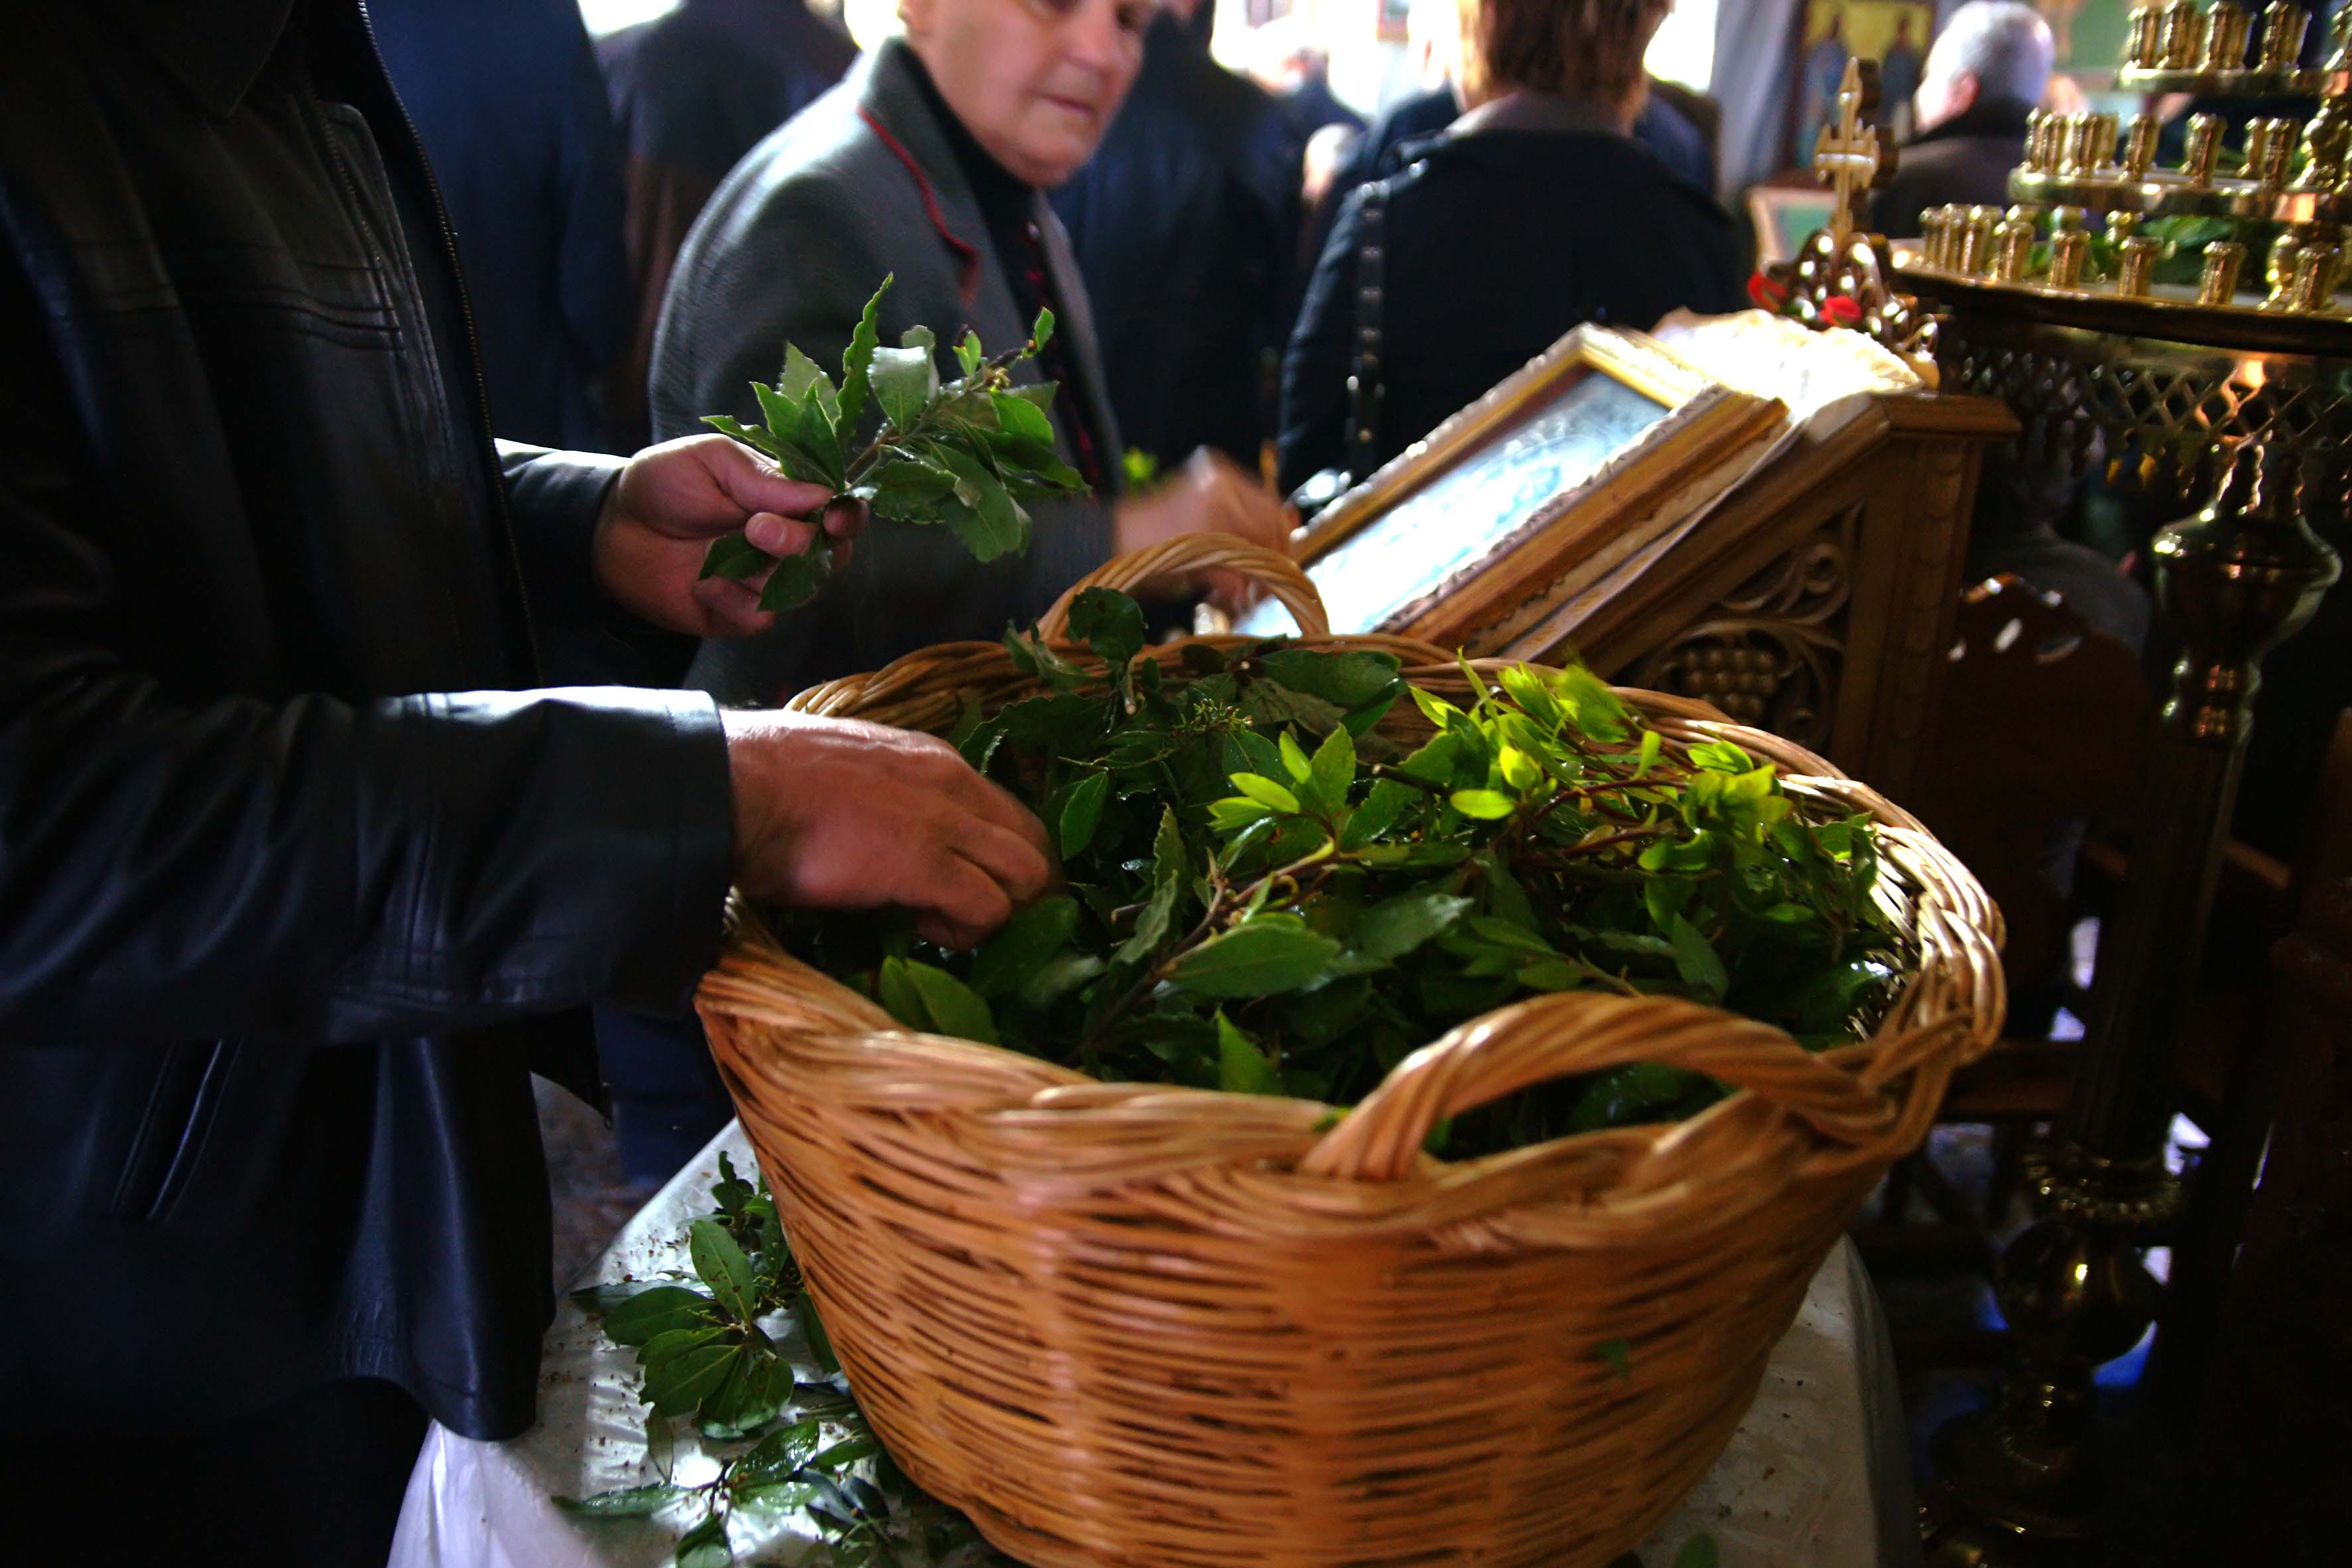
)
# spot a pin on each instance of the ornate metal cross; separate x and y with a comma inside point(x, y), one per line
point(1849, 155)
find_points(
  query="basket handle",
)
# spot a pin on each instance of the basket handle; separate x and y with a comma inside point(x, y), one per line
point(1172, 562)
point(1576, 1032)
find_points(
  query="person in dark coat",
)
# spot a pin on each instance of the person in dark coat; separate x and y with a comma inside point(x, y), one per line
point(692, 91)
point(1987, 70)
point(1414, 118)
point(1534, 212)
point(1664, 130)
point(1184, 225)
point(506, 96)
point(929, 165)
point(301, 878)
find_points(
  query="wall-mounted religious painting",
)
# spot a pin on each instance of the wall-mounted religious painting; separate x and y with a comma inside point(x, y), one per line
point(1472, 526)
point(1892, 33)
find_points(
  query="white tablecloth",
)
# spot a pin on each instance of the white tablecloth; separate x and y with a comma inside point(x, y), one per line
point(1816, 1476)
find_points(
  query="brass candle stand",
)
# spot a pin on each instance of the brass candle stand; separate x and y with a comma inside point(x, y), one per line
point(2235, 580)
point(2184, 324)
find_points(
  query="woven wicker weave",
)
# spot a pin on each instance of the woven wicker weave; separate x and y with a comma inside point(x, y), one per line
point(1128, 1325)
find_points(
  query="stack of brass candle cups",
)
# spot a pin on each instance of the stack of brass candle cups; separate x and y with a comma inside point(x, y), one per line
point(2097, 214)
point(2171, 303)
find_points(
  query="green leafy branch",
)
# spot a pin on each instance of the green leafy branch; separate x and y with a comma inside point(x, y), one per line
point(810, 1449)
point(786, 1468)
point(1264, 894)
point(702, 1346)
point(969, 453)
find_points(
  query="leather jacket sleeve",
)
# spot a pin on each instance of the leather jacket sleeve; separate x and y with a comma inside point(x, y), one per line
point(554, 499)
point(585, 638)
point(308, 867)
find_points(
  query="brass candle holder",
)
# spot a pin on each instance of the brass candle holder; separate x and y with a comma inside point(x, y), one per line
point(2195, 373)
point(2229, 30)
point(2070, 251)
point(2224, 259)
point(2284, 26)
point(2233, 581)
point(2139, 146)
point(2295, 182)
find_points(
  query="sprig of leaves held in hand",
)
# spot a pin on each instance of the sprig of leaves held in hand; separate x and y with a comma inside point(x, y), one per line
point(970, 453)
point(720, 1351)
point(1264, 895)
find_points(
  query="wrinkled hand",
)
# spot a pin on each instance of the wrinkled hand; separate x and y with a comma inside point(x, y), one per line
point(1211, 494)
point(672, 501)
point(838, 813)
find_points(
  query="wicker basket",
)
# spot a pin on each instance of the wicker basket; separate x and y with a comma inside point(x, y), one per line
point(1133, 1325)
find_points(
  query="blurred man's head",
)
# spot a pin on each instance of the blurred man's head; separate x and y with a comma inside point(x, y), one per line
point(1990, 49)
point(1036, 82)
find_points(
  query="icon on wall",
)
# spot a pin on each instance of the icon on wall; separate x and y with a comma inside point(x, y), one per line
point(1894, 32)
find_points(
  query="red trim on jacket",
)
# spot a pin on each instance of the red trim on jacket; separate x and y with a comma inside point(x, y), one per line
point(967, 254)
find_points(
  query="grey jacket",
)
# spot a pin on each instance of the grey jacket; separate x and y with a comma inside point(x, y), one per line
point(861, 183)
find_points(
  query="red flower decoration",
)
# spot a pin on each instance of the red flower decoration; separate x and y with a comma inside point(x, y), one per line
point(1767, 294)
point(1840, 311)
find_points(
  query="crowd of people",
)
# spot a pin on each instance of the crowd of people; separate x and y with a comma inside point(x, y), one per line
point(348, 756)
point(1201, 208)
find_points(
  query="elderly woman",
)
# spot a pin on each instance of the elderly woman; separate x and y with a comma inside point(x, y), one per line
point(1534, 211)
point(929, 164)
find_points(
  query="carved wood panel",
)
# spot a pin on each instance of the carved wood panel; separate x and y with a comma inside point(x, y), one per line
point(1771, 653)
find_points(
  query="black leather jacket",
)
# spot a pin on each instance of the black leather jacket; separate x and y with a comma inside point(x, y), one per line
point(298, 878)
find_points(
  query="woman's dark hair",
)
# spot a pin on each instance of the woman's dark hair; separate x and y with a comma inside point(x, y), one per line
point(1588, 48)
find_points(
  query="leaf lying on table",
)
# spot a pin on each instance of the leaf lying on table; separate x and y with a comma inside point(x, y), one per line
point(700, 1344)
point(1698, 1552)
point(1266, 896)
point(968, 454)
point(811, 1452)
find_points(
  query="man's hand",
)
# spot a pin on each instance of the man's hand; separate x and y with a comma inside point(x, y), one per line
point(837, 813)
point(672, 501)
point(1211, 494)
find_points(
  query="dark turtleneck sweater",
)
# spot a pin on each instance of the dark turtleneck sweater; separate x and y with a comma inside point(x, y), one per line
point(1009, 206)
